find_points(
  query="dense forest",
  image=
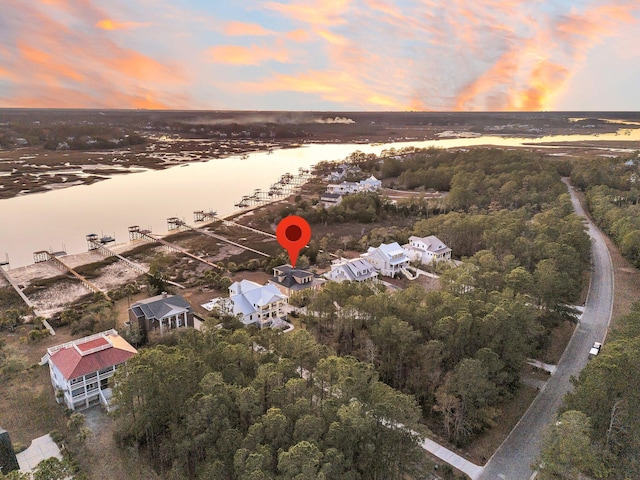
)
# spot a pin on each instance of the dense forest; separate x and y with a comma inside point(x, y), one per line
point(598, 432)
point(257, 405)
point(612, 188)
point(342, 398)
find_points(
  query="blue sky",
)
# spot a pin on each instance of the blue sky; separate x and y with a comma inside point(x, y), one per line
point(321, 54)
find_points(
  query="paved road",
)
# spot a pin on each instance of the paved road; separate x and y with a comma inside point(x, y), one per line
point(513, 459)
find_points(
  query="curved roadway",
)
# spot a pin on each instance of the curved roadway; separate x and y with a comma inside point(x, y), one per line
point(513, 459)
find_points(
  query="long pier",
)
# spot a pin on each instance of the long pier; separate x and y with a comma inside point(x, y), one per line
point(94, 244)
point(135, 232)
point(44, 256)
point(286, 185)
point(174, 223)
point(254, 230)
point(19, 291)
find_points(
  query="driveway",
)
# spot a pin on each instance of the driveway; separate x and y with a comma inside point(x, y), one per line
point(513, 459)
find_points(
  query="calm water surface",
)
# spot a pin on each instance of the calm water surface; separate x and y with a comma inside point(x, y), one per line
point(63, 217)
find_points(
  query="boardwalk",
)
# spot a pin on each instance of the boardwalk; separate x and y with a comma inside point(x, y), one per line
point(154, 238)
point(177, 223)
point(17, 288)
point(66, 268)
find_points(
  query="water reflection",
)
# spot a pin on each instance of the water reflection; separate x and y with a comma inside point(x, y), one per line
point(63, 217)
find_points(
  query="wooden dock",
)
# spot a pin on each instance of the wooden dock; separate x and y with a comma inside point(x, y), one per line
point(150, 236)
point(44, 256)
point(18, 290)
point(254, 230)
point(26, 300)
point(94, 244)
point(174, 223)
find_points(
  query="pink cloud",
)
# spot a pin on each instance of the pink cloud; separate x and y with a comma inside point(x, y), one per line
point(237, 29)
point(253, 55)
point(80, 67)
point(107, 24)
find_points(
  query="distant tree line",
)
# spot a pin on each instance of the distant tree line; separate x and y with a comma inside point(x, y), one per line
point(612, 188)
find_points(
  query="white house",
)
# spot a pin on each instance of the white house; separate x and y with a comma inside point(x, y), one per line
point(343, 188)
point(259, 304)
point(370, 184)
point(388, 259)
point(81, 370)
point(354, 270)
point(427, 249)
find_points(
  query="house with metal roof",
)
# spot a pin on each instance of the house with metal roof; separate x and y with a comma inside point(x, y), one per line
point(289, 280)
point(257, 304)
point(427, 249)
point(330, 199)
point(353, 270)
point(388, 259)
point(81, 370)
point(161, 313)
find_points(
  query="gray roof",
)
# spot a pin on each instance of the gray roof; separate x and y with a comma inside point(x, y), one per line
point(433, 243)
point(357, 269)
point(160, 306)
point(330, 196)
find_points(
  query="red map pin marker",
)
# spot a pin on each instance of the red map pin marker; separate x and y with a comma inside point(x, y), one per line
point(293, 233)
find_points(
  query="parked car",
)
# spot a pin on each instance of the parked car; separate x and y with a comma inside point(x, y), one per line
point(595, 350)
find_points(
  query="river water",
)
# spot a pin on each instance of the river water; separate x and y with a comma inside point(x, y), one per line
point(62, 218)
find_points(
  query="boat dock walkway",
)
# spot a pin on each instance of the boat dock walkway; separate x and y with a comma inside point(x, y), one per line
point(44, 256)
point(26, 300)
point(175, 223)
point(94, 244)
point(254, 230)
point(15, 286)
point(135, 232)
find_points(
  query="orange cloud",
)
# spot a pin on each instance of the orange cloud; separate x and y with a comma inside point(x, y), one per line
point(48, 64)
point(107, 24)
point(298, 35)
point(238, 29)
point(80, 68)
point(253, 55)
point(532, 72)
point(315, 12)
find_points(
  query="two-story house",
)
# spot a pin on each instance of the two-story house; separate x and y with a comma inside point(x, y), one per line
point(289, 280)
point(354, 270)
point(370, 184)
point(427, 249)
point(343, 188)
point(161, 313)
point(81, 370)
point(257, 304)
point(388, 259)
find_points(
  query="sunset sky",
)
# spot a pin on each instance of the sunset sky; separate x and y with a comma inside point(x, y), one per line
point(321, 54)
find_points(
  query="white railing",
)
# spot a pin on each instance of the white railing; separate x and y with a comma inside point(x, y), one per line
point(54, 349)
